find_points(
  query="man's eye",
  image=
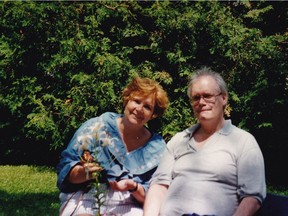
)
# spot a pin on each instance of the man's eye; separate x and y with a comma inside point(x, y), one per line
point(207, 96)
point(196, 98)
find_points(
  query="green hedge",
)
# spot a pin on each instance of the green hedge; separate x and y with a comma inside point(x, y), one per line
point(63, 62)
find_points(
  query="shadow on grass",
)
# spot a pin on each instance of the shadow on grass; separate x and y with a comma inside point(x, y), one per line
point(29, 204)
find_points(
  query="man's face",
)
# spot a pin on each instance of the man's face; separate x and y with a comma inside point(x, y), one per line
point(207, 99)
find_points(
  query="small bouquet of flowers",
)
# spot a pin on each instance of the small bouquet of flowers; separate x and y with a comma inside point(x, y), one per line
point(97, 141)
point(96, 184)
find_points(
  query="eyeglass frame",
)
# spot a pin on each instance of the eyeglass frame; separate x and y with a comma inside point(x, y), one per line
point(207, 100)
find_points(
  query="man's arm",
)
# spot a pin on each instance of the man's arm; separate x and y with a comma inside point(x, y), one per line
point(154, 199)
point(247, 207)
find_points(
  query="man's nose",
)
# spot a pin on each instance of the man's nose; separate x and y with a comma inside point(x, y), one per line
point(201, 100)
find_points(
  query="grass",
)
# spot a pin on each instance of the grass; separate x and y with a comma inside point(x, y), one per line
point(28, 190)
point(283, 191)
point(31, 190)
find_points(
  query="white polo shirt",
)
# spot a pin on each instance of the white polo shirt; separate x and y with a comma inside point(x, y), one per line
point(212, 180)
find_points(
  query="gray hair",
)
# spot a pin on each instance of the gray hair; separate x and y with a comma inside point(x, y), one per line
point(205, 71)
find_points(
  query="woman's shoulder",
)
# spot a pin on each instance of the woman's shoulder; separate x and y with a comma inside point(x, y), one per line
point(156, 138)
point(104, 117)
point(147, 157)
point(155, 145)
point(109, 115)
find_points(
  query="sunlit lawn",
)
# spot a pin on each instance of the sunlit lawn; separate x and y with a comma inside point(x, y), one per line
point(31, 190)
point(28, 190)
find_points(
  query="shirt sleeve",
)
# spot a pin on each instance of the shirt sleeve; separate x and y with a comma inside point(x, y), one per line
point(251, 171)
point(163, 174)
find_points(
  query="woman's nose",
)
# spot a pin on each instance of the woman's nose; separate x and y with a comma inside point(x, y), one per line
point(139, 108)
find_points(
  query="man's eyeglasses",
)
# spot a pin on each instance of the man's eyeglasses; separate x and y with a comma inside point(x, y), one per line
point(209, 98)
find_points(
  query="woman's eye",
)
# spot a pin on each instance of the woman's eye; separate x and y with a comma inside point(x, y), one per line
point(147, 107)
point(137, 101)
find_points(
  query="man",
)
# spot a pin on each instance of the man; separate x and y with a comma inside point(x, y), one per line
point(211, 168)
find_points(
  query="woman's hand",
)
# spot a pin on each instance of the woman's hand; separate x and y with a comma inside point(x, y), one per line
point(136, 190)
point(81, 173)
point(91, 168)
point(123, 185)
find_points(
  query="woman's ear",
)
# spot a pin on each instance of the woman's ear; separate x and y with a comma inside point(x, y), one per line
point(154, 115)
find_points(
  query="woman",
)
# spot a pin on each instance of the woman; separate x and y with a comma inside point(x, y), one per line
point(117, 149)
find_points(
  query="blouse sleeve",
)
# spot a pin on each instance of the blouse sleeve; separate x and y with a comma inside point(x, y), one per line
point(82, 140)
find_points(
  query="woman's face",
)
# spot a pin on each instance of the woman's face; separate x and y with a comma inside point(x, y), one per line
point(140, 109)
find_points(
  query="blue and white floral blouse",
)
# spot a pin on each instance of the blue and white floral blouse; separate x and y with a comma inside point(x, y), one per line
point(100, 136)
